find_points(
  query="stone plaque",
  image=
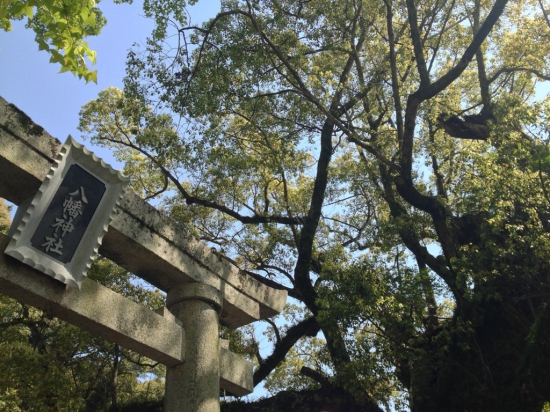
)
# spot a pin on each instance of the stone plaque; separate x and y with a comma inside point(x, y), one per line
point(60, 229)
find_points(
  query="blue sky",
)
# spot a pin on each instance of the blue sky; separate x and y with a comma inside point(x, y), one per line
point(53, 100)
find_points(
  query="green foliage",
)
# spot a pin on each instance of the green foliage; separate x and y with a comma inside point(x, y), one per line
point(60, 27)
point(287, 376)
point(5, 219)
point(309, 352)
point(115, 120)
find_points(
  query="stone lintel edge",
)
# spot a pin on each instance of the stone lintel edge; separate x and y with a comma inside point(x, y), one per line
point(236, 374)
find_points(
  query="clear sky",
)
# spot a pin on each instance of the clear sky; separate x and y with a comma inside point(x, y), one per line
point(53, 100)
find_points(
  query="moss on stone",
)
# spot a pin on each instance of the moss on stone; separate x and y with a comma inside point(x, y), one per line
point(26, 122)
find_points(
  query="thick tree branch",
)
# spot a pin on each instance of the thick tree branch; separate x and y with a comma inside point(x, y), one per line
point(435, 165)
point(307, 327)
point(417, 44)
point(411, 240)
point(481, 72)
point(432, 321)
point(307, 235)
point(404, 182)
point(444, 81)
point(394, 73)
point(275, 330)
point(316, 376)
point(545, 13)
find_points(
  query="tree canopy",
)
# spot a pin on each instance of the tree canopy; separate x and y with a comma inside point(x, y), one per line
point(385, 162)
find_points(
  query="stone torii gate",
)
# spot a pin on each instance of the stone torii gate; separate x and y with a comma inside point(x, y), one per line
point(203, 288)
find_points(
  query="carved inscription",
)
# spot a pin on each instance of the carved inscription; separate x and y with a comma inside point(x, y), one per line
point(61, 229)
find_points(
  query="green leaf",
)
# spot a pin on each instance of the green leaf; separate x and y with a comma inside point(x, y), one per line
point(91, 76)
point(90, 19)
point(28, 10)
point(56, 57)
point(42, 45)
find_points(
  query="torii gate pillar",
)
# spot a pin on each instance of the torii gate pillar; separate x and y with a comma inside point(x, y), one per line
point(194, 385)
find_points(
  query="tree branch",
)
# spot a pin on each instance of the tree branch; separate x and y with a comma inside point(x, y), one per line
point(192, 200)
point(275, 330)
point(518, 69)
point(481, 72)
point(445, 80)
point(291, 292)
point(394, 74)
point(307, 327)
point(417, 44)
point(545, 13)
point(316, 376)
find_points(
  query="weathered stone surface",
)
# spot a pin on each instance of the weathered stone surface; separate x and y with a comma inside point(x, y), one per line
point(195, 385)
point(271, 300)
point(95, 308)
point(139, 239)
point(27, 153)
point(236, 374)
point(14, 121)
point(194, 290)
point(165, 313)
